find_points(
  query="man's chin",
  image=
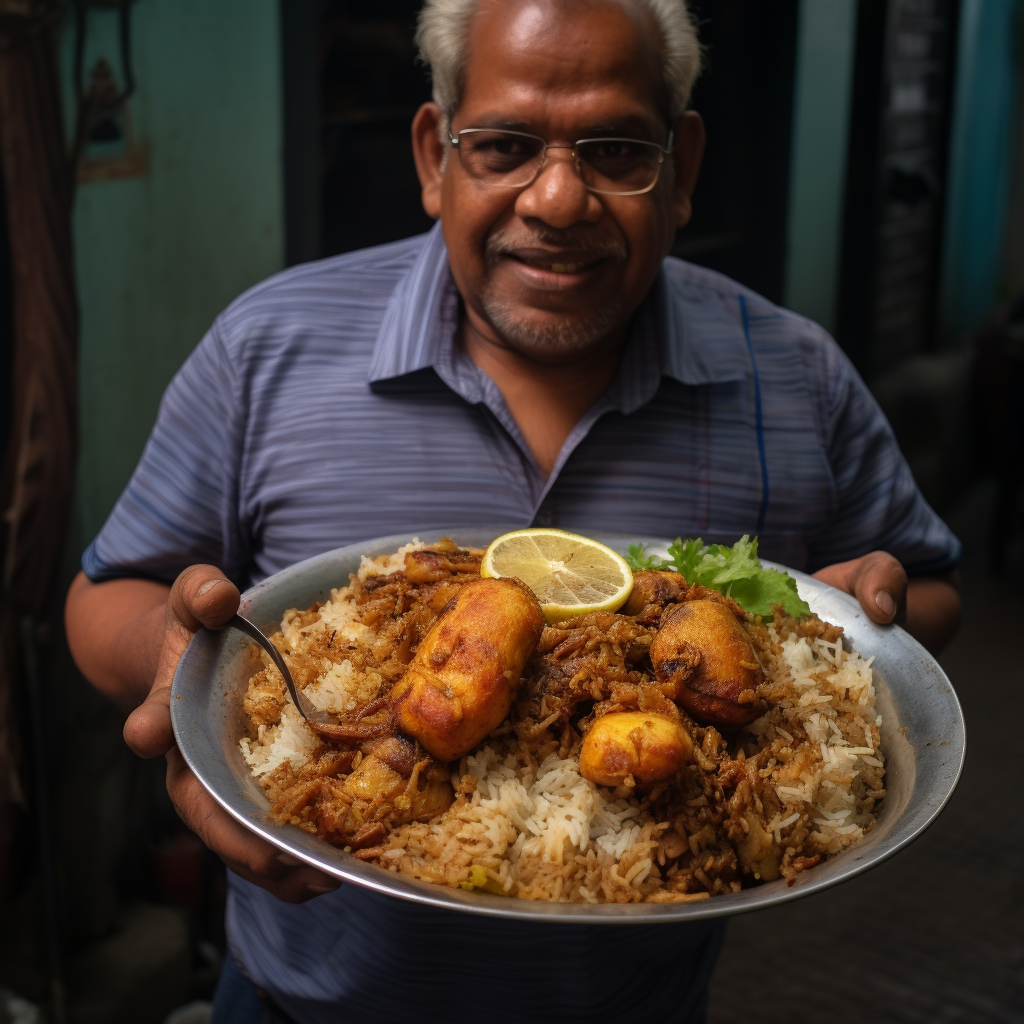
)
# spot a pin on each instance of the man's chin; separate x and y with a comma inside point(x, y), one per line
point(551, 337)
point(548, 335)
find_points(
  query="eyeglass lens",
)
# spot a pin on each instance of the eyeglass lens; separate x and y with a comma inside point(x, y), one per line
point(606, 165)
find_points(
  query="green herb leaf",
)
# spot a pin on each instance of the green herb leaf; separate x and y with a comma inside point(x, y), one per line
point(637, 558)
point(760, 594)
point(686, 556)
point(722, 565)
point(734, 571)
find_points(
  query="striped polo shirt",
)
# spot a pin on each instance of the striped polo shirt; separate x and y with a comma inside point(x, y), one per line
point(331, 404)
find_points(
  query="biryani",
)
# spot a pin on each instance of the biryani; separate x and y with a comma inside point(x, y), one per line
point(674, 750)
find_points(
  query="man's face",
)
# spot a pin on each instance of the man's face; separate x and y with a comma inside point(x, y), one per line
point(554, 271)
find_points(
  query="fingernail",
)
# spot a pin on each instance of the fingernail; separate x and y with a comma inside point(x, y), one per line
point(322, 889)
point(288, 860)
point(885, 602)
point(209, 585)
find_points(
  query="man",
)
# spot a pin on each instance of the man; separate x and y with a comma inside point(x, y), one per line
point(541, 362)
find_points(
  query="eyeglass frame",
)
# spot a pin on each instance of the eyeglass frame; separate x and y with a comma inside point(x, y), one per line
point(663, 151)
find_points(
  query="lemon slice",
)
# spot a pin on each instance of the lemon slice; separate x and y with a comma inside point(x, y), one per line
point(570, 574)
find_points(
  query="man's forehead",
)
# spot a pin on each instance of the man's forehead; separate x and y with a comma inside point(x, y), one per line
point(526, 48)
point(623, 121)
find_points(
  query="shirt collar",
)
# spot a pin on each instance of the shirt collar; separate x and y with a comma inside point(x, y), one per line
point(700, 325)
point(683, 329)
point(421, 318)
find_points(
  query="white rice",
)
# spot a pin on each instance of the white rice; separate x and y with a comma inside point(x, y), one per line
point(290, 740)
point(823, 672)
point(550, 817)
point(339, 688)
point(385, 565)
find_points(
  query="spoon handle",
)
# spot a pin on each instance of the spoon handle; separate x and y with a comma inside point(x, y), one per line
point(250, 629)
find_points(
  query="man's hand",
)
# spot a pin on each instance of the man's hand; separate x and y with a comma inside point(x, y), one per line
point(928, 607)
point(121, 641)
point(200, 597)
point(877, 580)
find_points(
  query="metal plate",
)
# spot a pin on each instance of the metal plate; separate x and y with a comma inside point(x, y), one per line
point(923, 741)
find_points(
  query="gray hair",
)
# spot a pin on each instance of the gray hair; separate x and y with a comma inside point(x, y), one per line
point(443, 29)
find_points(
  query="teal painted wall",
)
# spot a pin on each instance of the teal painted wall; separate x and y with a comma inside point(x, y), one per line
point(159, 256)
point(824, 76)
point(981, 158)
point(1013, 265)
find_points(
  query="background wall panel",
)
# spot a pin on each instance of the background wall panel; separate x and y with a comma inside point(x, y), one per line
point(158, 255)
point(821, 108)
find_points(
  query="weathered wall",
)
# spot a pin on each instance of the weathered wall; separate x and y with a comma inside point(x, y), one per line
point(821, 109)
point(159, 255)
point(982, 249)
point(1013, 263)
point(981, 160)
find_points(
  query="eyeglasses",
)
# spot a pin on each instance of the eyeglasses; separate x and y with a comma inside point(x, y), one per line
point(507, 159)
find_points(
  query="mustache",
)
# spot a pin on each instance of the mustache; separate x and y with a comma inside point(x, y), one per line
point(511, 241)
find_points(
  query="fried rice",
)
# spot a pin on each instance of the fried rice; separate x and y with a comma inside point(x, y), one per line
point(800, 784)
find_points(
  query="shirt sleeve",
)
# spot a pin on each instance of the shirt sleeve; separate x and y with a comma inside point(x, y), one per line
point(180, 506)
point(877, 503)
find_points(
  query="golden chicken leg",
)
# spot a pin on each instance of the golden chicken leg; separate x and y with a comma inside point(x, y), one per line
point(705, 661)
point(460, 684)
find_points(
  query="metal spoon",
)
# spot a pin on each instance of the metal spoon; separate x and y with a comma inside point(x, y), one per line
point(251, 629)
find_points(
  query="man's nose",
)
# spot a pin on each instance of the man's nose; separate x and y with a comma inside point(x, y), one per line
point(558, 196)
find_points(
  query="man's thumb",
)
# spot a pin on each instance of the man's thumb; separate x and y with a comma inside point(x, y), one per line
point(201, 596)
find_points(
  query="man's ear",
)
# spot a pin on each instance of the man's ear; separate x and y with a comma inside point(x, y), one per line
point(429, 152)
point(687, 153)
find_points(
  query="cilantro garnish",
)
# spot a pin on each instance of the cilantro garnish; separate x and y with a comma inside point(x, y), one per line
point(734, 571)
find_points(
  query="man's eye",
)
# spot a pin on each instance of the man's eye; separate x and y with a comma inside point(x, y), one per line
point(622, 160)
point(506, 148)
point(616, 149)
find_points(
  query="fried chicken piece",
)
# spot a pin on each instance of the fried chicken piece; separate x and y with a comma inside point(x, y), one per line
point(653, 586)
point(440, 562)
point(418, 794)
point(647, 746)
point(461, 682)
point(705, 661)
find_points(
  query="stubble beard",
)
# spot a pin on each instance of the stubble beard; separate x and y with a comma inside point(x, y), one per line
point(544, 334)
point(541, 336)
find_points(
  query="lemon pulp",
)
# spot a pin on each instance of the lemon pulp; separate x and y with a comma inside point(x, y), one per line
point(570, 574)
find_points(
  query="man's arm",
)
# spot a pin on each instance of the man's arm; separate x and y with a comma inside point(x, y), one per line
point(927, 607)
point(127, 636)
point(115, 631)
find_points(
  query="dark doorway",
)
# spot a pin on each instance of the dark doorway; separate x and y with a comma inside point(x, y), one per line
point(745, 96)
point(370, 87)
point(895, 194)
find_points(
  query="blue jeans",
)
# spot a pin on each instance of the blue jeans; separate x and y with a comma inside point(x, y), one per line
point(235, 1000)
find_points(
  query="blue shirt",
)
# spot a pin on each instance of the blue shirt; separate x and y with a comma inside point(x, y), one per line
point(330, 405)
